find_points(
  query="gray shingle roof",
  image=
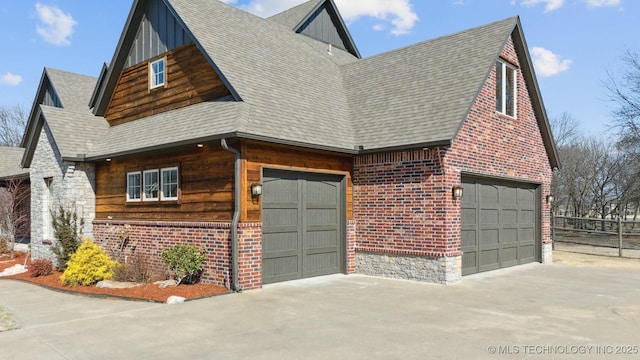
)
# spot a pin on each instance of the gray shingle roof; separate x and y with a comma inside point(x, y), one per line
point(295, 90)
point(74, 90)
point(10, 164)
point(287, 88)
point(75, 133)
point(421, 94)
point(200, 122)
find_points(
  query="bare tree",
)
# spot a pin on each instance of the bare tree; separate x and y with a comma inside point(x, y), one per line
point(565, 130)
point(14, 209)
point(12, 124)
point(624, 91)
point(565, 134)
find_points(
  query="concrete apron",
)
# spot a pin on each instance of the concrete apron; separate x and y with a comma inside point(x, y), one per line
point(532, 310)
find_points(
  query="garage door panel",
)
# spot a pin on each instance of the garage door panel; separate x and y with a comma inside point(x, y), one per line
point(489, 237)
point(489, 217)
point(279, 241)
point(281, 217)
point(321, 264)
point(500, 224)
point(321, 239)
point(489, 259)
point(280, 269)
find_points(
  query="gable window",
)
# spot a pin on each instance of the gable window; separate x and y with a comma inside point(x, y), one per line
point(134, 186)
point(506, 89)
point(150, 185)
point(170, 183)
point(156, 73)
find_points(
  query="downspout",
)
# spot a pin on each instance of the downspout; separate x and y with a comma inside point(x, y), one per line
point(236, 215)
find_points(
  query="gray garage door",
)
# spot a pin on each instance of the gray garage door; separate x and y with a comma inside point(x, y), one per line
point(500, 225)
point(302, 225)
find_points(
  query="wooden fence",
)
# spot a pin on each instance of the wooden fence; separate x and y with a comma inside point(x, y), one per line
point(624, 235)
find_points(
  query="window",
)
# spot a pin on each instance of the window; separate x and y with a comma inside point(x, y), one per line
point(170, 184)
point(506, 89)
point(150, 185)
point(156, 73)
point(134, 186)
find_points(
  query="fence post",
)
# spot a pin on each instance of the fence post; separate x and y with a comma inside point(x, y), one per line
point(620, 236)
point(553, 231)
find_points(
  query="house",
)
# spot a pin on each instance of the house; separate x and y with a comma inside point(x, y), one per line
point(14, 196)
point(275, 146)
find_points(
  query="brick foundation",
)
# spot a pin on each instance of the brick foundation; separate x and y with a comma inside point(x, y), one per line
point(150, 238)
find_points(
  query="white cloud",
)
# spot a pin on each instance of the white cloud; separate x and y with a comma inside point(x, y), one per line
point(550, 5)
point(55, 26)
point(547, 63)
point(10, 79)
point(399, 13)
point(602, 3)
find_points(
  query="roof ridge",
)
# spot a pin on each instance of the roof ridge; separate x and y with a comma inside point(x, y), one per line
point(442, 37)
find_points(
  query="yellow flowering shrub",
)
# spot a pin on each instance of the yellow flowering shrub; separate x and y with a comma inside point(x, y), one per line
point(88, 265)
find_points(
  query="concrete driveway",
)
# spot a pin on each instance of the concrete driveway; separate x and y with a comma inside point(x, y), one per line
point(532, 311)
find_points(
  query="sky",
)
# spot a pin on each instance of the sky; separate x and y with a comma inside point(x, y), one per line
point(573, 43)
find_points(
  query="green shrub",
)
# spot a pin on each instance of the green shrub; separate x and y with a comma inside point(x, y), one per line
point(184, 262)
point(41, 267)
point(136, 269)
point(88, 265)
point(66, 230)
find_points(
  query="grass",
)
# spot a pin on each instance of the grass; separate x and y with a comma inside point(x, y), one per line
point(7, 322)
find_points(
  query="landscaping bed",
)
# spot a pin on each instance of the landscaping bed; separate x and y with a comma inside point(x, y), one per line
point(144, 292)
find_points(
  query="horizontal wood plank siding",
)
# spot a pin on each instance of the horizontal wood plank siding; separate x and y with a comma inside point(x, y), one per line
point(259, 155)
point(206, 187)
point(190, 79)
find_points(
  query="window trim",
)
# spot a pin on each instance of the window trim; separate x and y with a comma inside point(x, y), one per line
point(161, 192)
point(139, 199)
point(504, 88)
point(153, 75)
point(143, 185)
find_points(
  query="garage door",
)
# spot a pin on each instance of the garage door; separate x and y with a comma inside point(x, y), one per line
point(500, 225)
point(302, 225)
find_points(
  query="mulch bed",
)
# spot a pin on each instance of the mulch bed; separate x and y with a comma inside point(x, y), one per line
point(146, 292)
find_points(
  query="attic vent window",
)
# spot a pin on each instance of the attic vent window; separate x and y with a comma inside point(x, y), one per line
point(156, 73)
point(506, 89)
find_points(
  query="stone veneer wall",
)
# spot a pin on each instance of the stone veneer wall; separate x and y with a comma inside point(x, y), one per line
point(72, 186)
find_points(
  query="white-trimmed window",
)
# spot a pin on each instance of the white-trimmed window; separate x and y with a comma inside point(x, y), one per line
point(150, 182)
point(169, 183)
point(156, 73)
point(506, 89)
point(134, 186)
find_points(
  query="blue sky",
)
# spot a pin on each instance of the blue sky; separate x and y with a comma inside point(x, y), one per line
point(573, 42)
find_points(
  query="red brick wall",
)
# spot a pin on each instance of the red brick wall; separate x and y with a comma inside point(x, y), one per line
point(493, 144)
point(250, 255)
point(403, 202)
point(150, 238)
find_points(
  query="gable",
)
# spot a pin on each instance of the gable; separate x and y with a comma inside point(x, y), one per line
point(48, 96)
point(159, 31)
point(325, 24)
point(189, 80)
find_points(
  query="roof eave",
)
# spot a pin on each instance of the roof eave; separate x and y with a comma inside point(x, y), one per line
point(416, 146)
point(536, 97)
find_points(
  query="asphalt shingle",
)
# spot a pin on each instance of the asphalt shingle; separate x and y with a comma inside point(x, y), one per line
point(10, 164)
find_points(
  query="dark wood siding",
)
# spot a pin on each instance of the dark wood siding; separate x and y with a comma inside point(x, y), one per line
point(190, 79)
point(206, 187)
point(257, 156)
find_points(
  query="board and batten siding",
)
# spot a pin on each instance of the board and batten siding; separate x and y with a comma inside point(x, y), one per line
point(189, 80)
point(205, 188)
point(257, 156)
